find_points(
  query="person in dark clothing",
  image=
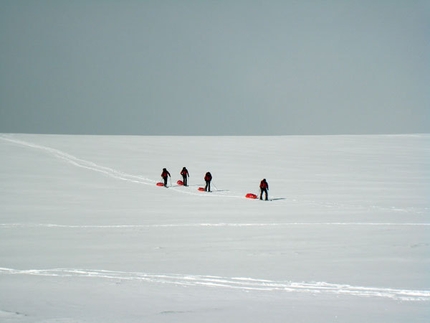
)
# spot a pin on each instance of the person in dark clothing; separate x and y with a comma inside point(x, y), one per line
point(208, 178)
point(264, 187)
point(185, 175)
point(165, 174)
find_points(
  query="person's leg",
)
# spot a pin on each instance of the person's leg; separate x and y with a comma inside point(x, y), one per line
point(165, 181)
point(261, 193)
point(267, 196)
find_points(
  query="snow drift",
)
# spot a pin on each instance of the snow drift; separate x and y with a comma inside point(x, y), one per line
point(87, 236)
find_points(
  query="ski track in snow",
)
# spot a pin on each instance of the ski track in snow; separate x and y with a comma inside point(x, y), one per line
point(215, 225)
point(238, 283)
point(83, 163)
point(110, 171)
point(216, 193)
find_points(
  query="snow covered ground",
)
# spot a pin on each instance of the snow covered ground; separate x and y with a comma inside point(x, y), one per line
point(87, 236)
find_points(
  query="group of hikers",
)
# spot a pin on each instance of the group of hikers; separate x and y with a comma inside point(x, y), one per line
point(264, 186)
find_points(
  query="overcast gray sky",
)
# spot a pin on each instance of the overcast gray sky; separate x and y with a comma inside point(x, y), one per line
point(215, 67)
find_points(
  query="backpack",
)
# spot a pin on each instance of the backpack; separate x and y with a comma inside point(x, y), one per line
point(208, 176)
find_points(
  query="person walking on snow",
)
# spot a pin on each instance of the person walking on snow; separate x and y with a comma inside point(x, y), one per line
point(185, 175)
point(208, 178)
point(164, 175)
point(264, 187)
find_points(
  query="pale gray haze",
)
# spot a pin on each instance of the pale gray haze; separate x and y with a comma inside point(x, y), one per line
point(214, 67)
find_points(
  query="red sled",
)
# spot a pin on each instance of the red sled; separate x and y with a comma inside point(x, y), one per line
point(179, 182)
point(201, 188)
point(160, 184)
point(251, 196)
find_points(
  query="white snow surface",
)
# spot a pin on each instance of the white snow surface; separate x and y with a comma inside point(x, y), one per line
point(87, 236)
